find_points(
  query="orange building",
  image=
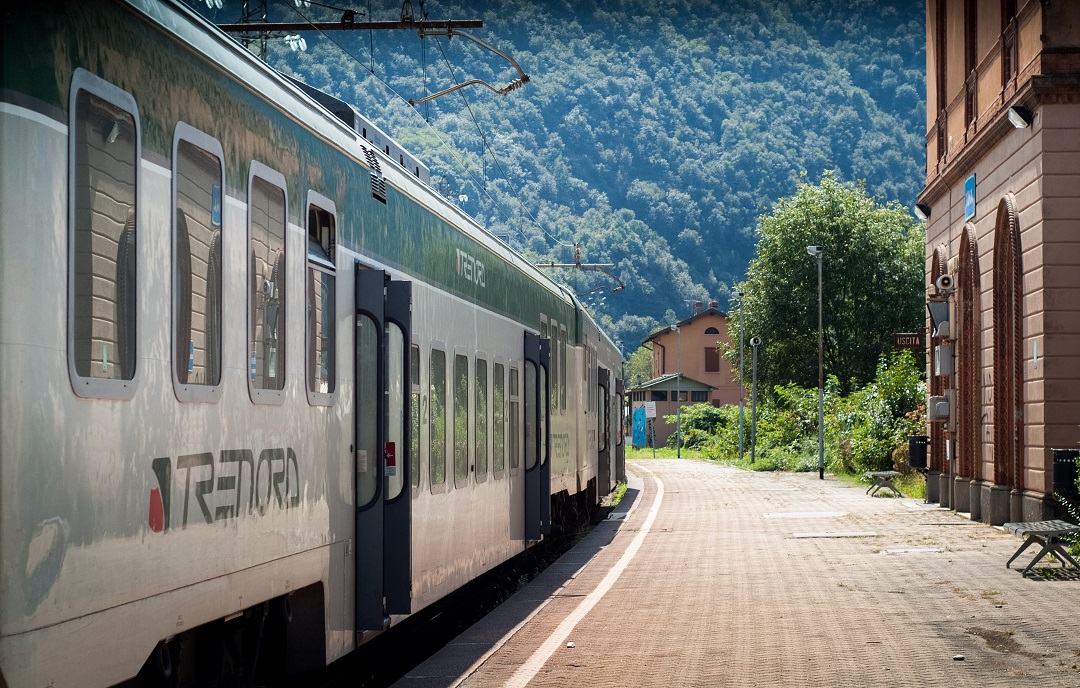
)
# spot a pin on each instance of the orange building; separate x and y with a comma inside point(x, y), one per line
point(1002, 197)
point(694, 348)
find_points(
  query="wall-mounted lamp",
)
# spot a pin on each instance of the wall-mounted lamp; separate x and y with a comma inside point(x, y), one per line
point(1020, 117)
point(922, 211)
point(939, 316)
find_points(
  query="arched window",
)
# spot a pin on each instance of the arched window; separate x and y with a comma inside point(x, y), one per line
point(968, 357)
point(937, 383)
point(1008, 340)
point(712, 330)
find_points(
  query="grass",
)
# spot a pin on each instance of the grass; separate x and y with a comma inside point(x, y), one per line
point(615, 496)
point(911, 484)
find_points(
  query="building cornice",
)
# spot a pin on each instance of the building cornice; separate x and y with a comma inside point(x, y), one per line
point(1038, 90)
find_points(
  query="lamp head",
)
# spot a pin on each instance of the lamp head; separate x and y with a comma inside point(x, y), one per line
point(1020, 117)
point(815, 250)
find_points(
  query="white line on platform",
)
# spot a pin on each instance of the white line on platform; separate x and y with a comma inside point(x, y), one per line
point(914, 550)
point(557, 639)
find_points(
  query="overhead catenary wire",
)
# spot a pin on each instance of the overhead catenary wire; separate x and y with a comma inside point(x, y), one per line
point(481, 187)
point(488, 148)
point(442, 141)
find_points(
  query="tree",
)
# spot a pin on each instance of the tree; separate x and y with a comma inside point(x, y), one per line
point(638, 367)
point(872, 284)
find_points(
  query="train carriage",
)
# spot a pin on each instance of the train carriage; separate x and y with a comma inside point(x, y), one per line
point(263, 391)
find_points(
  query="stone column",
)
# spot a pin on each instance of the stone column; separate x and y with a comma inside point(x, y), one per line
point(960, 494)
point(933, 486)
point(998, 508)
point(975, 499)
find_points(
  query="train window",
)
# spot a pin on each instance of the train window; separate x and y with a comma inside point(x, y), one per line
point(197, 176)
point(601, 420)
point(461, 420)
point(515, 421)
point(414, 413)
point(104, 150)
point(395, 411)
point(530, 415)
point(562, 367)
point(498, 419)
point(541, 441)
point(553, 364)
point(266, 283)
point(437, 417)
point(367, 400)
point(480, 443)
point(321, 335)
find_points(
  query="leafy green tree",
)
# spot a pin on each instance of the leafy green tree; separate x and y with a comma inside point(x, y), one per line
point(652, 133)
point(872, 285)
point(639, 367)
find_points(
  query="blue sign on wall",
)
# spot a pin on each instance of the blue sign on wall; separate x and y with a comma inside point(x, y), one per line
point(969, 198)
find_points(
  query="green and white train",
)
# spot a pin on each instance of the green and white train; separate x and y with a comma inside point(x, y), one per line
point(263, 391)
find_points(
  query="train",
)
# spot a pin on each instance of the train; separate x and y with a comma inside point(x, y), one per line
point(264, 392)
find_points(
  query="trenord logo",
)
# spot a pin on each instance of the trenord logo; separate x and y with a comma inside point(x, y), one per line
point(469, 268)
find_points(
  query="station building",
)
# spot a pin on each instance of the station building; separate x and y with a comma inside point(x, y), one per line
point(1002, 198)
point(688, 367)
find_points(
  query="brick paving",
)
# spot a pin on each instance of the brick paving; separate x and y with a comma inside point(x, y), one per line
point(758, 579)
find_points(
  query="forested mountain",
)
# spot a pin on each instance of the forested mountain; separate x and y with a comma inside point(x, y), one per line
point(652, 132)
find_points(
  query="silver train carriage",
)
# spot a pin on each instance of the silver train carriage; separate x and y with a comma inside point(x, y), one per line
point(258, 379)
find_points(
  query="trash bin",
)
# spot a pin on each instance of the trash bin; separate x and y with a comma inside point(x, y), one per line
point(916, 454)
point(1065, 471)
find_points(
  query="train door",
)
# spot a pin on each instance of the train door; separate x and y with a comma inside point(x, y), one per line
point(603, 434)
point(537, 438)
point(620, 432)
point(382, 431)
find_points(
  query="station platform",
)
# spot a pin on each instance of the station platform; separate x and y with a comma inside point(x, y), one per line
point(706, 575)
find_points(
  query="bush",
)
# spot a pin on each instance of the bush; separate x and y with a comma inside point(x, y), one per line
point(864, 431)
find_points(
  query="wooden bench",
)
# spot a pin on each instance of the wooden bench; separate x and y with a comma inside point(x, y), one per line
point(1046, 533)
point(880, 479)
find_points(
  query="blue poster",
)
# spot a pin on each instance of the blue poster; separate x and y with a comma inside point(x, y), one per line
point(969, 197)
point(638, 438)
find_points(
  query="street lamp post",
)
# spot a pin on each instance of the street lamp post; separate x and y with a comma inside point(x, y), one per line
point(755, 342)
point(742, 385)
point(819, 251)
point(678, 392)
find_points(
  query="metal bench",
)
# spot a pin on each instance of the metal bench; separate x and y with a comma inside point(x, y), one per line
point(1046, 533)
point(880, 479)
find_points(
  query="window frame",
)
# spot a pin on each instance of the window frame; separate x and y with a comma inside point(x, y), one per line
point(416, 394)
point(323, 203)
point(712, 355)
point(462, 482)
point(501, 362)
point(261, 395)
point(562, 368)
point(186, 391)
point(514, 417)
point(474, 423)
point(94, 387)
point(440, 487)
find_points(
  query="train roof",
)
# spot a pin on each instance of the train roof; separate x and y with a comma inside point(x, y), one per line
point(203, 36)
